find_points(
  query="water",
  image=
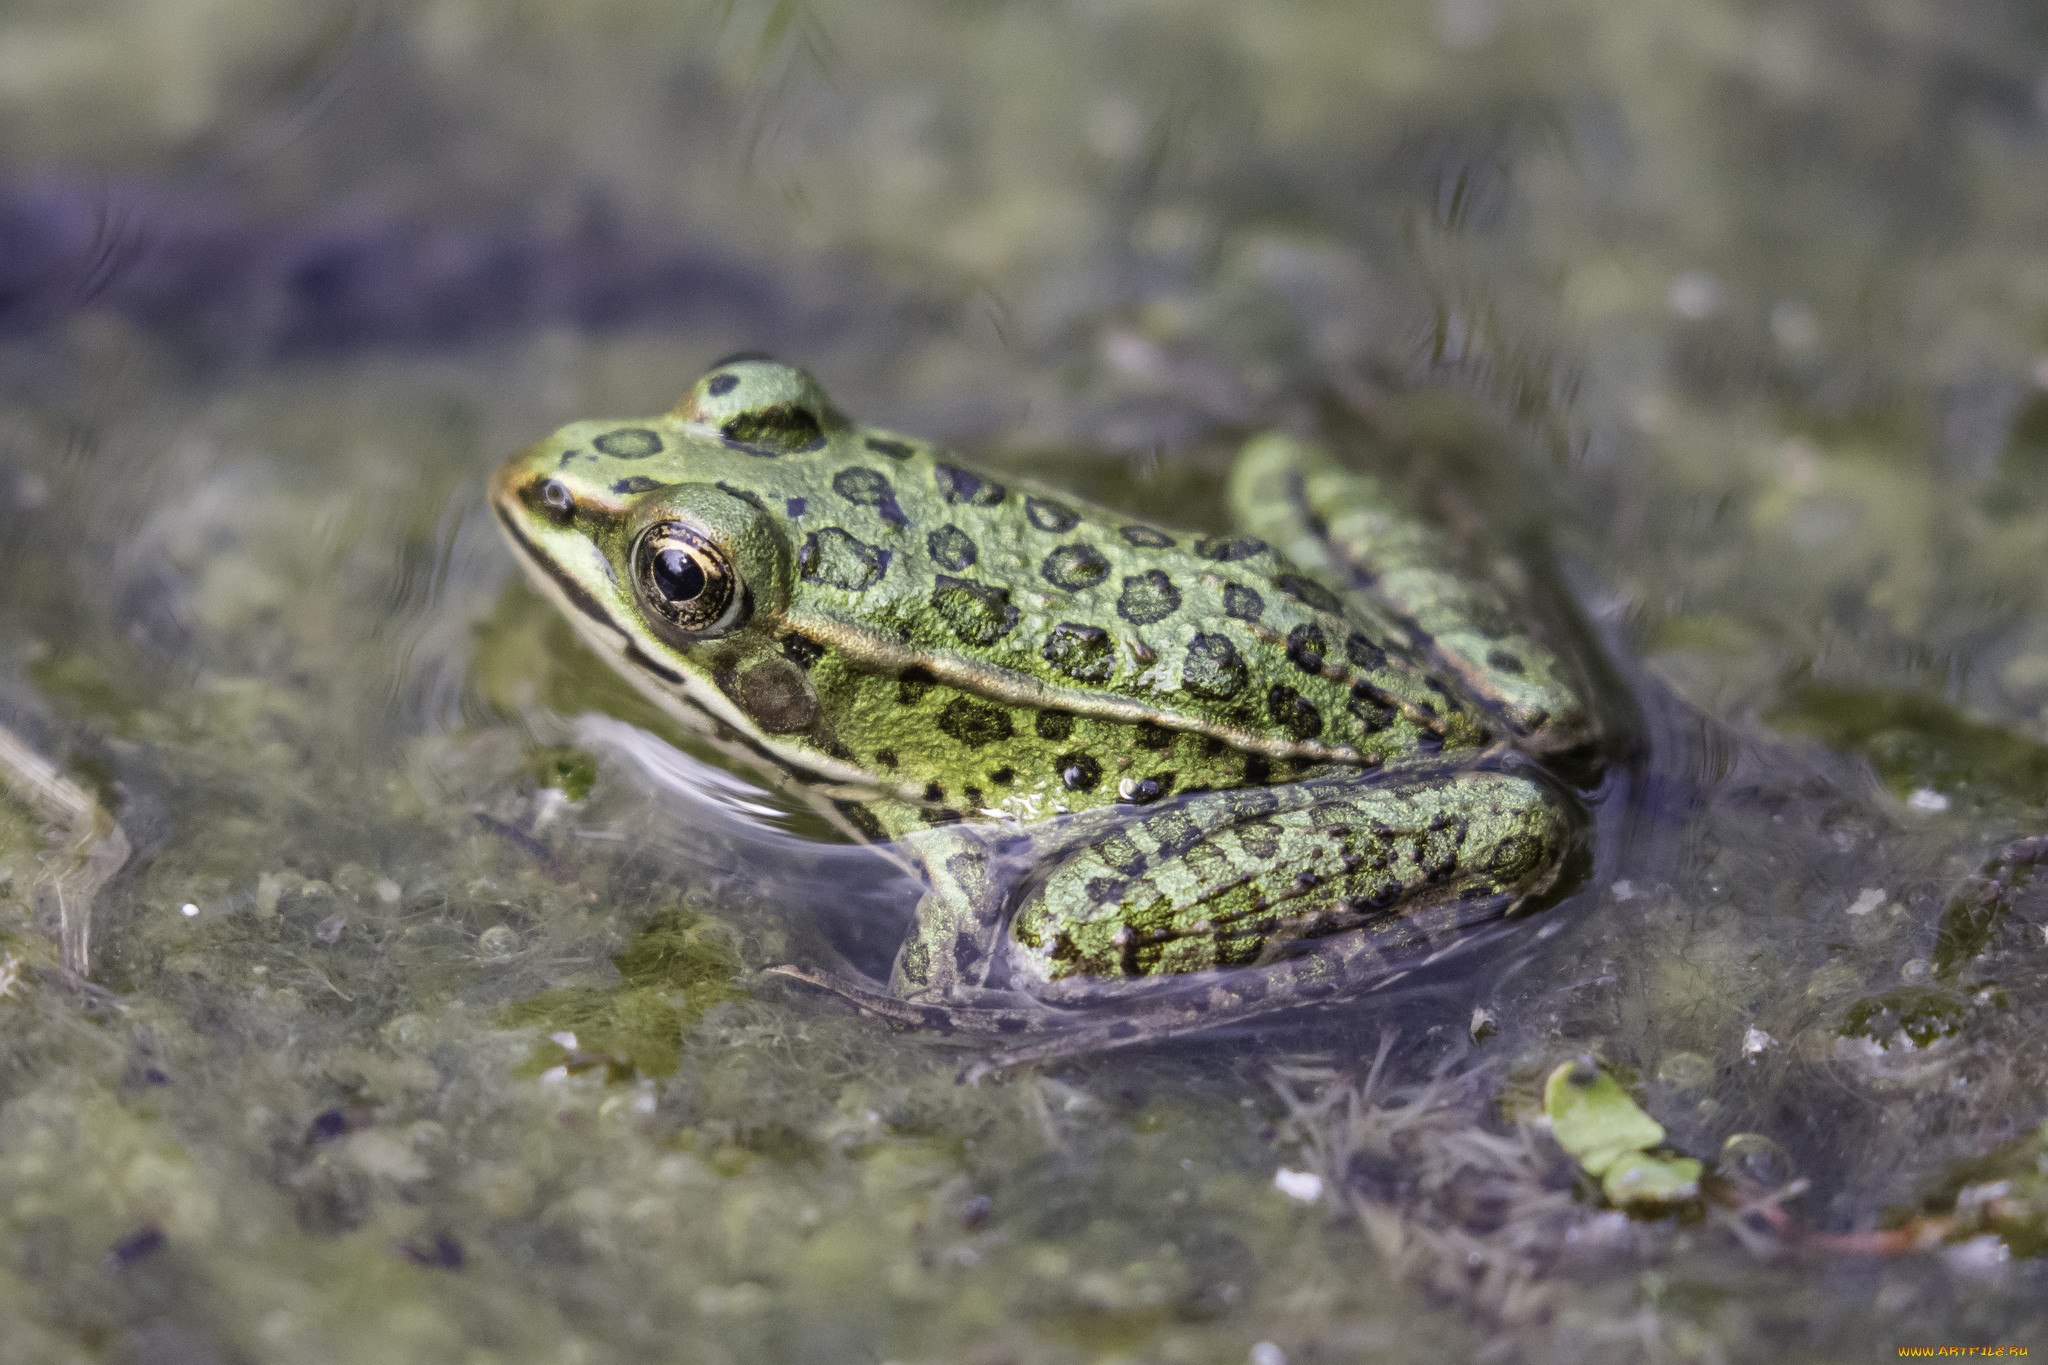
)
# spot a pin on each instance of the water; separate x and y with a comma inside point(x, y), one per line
point(1731, 316)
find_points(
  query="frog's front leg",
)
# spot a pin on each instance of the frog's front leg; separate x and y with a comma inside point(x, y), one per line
point(940, 981)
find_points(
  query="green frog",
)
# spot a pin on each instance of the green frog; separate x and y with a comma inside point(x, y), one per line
point(1152, 779)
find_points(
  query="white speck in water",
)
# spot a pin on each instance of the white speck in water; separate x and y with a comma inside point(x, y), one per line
point(564, 1040)
point(1266, 1353)
point(1756, 1041)
point(1484, 1023)
point(1624, 890)
point(1306, 1186)
point(1928, 801)
point(188, 910)
point(1696, 295)
point(388, 891)
point(1983, 1257)
point(1867, 900)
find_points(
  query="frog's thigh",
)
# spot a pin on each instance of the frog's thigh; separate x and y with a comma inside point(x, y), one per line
point(1241, 879)
point(1343, 528)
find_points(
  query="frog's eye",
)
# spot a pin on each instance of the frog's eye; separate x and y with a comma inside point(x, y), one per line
point(689, 580)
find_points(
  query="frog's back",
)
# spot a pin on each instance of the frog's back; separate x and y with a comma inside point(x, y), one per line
point(908, 555)
point(969, 642)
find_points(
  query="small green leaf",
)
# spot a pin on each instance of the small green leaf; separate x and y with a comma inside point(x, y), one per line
point(1642, 1179)
point(1593, 1118)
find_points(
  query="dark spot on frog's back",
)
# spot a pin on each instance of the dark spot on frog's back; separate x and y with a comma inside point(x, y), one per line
point(1148, 597)
point(834, 557)
point(1295, 714)
point(1306, 646)
point(977, 613)
point(629, 443)
point(719, 385)
point(958, 485)
point(1048, 515)
point(912, 684)
point(1225, 549)
point(1054, 725)
point(882, 445)
point(1074, 567)
point(1212, 668)
point(1147, 537)
point(1078, 772)
point(1309, 591)
point(638, 483)
point(1505, 662)
point(974, 723)
point(774, 694)
point(952, 548)
point(1084, 653)
point(864, 487)
point(1363, 653)
point(1242, 603)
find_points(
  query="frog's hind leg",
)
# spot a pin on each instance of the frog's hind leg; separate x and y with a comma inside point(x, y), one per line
point(1345, 530)
point(1237, 904)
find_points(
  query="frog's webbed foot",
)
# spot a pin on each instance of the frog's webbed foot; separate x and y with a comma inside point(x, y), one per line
point(1326, 969)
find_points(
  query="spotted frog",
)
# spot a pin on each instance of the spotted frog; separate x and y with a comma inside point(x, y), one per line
point(1152, 779)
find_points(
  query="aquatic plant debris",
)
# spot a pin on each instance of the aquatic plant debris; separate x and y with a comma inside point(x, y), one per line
point(1610, 1137)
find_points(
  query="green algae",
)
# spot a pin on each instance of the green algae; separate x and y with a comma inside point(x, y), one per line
point(1916, 742)
point(1920, 1016)
point(670, 973)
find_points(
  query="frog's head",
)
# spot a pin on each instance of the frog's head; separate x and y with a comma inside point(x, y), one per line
point(668, 566)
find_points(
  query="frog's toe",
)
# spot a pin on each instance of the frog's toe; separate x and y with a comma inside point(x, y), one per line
point(986, 1020)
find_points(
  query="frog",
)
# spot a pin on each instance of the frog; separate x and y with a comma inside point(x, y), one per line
point(1150, 779)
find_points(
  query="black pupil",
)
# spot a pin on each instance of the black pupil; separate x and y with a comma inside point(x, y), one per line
point(678, 576)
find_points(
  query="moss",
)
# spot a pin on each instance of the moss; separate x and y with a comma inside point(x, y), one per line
point(570, 771)
point(1922, 1015)
point(670, 973)
point(1915, 741)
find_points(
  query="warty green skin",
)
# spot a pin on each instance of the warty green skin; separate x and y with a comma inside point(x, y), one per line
point(1121, 755)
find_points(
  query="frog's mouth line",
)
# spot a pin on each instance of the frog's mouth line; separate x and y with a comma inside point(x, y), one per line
point(573, 593)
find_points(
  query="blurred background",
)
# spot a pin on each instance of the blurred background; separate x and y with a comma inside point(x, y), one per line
point(425, 1021)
